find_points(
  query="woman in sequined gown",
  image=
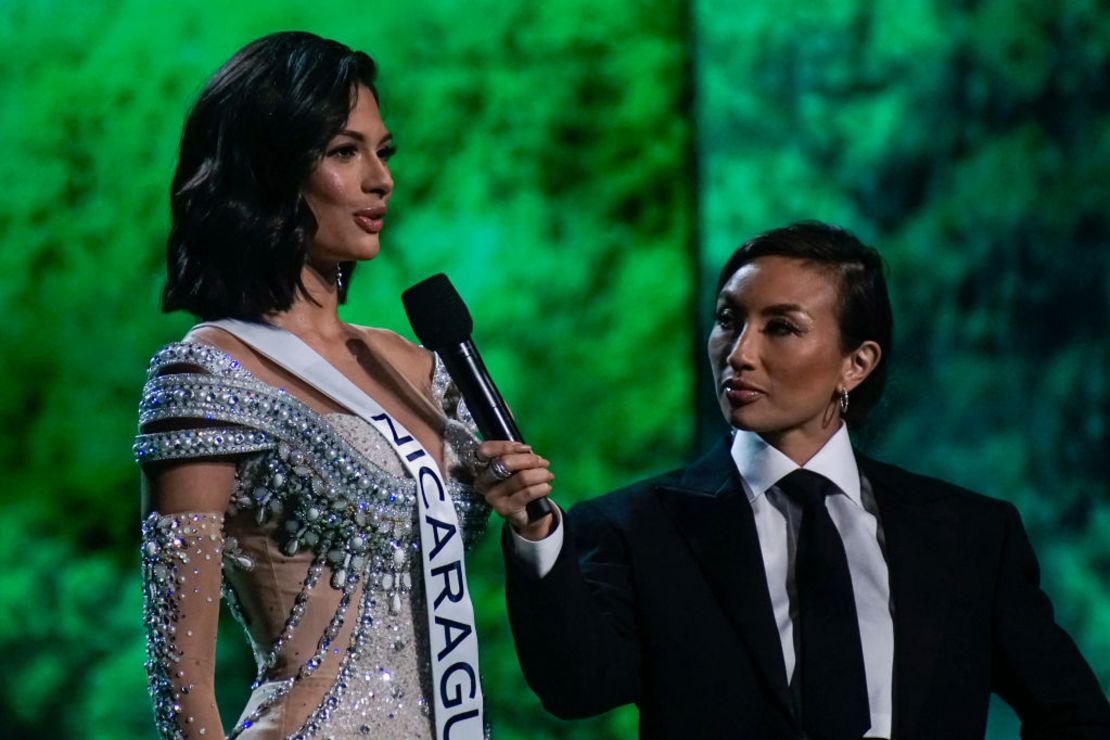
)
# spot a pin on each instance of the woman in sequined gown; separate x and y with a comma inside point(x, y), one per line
point(257, 486)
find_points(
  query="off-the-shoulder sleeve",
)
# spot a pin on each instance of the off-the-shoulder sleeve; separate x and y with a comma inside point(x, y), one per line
point(199, 403)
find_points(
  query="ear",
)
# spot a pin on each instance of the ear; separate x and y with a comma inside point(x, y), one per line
point(860, 363)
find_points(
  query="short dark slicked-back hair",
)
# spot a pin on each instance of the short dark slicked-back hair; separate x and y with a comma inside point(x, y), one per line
point(241, 230)
point(863, 305)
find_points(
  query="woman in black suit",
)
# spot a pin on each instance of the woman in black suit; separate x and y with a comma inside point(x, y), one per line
point(784, 585)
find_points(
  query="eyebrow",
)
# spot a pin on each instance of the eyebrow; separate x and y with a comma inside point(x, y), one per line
point(358, 136)
point(777, 308)
point(780, 309)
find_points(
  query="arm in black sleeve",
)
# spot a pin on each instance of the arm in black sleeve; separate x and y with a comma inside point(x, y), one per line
point(1037, 668)
point(575, 628)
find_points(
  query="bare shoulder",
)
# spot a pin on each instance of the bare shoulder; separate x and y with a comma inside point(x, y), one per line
point(391, 340)
point(231, 344)
point(262, 368)
point(414, 360)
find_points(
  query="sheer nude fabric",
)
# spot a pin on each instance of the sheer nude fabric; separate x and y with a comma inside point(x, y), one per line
point(202, 405)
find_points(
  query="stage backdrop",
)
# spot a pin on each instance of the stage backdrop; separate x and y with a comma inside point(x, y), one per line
point(581, 170)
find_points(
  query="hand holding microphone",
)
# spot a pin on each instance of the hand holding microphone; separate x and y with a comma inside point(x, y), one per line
point(443, 324)
point(528, 482)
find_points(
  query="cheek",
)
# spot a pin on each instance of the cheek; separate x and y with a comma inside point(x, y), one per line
point(714, 348)
point(324, 189)
point(718, 348)
point(805, 370)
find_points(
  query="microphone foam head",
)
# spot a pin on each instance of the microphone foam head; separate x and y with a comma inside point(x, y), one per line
point(437, 313)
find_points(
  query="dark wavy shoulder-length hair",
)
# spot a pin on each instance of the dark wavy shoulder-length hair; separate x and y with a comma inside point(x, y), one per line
point(241, 230)
point(863, 307)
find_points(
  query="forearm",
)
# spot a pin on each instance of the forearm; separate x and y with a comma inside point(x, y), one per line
point(576, 646)
point(181, 590)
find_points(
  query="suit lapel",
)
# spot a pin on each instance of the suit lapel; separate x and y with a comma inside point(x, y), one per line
point(708, 508)
point(921, 558)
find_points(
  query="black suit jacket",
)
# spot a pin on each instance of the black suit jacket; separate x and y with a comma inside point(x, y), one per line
point(659, 598)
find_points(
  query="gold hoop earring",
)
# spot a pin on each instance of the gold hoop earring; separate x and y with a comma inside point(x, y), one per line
point(843, 400)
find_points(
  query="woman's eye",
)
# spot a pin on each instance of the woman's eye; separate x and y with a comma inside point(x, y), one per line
point(725, 317)
point(346, 151)
point(386, 152)
point(781, 327)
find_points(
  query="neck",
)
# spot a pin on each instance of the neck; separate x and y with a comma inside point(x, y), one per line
point(800, 445)
point(315, 311)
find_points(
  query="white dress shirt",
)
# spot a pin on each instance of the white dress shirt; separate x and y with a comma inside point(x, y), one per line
point(854, 512)
point(777, 521)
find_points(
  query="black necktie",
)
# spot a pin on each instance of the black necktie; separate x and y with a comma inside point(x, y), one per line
point(830, 664)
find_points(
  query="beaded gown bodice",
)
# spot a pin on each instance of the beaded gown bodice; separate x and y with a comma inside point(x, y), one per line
point(318, 554)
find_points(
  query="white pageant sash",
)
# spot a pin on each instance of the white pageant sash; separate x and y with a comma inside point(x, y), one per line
point(451, 627)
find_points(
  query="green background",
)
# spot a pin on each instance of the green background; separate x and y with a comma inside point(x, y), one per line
point(580, 169)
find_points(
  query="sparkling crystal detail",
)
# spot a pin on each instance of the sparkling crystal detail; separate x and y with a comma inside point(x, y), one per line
point(167, 542)
point(333, 491)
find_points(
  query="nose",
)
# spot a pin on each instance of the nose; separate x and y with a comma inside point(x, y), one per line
point(742, 352)
point(377, 179)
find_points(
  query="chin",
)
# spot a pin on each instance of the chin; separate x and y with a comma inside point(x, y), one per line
point(350, 250)
point(743, 418)
point(748, 419)
point(750, 427)
point(362, 253)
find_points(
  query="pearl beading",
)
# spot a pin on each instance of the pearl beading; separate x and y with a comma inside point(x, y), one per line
point(170, 544)
point(357, 518)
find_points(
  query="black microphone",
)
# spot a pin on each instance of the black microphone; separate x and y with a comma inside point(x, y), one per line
point(442, 323)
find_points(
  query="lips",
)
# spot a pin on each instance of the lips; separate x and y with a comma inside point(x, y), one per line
point(739, 393)
point(370, 220)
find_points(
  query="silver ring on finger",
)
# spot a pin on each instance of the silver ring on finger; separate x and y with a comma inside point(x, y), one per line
point(498, 470)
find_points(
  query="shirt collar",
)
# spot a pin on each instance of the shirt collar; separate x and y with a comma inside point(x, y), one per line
point(761, 465)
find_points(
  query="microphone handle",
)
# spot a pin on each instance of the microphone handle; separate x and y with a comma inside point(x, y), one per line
point(490, 413)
